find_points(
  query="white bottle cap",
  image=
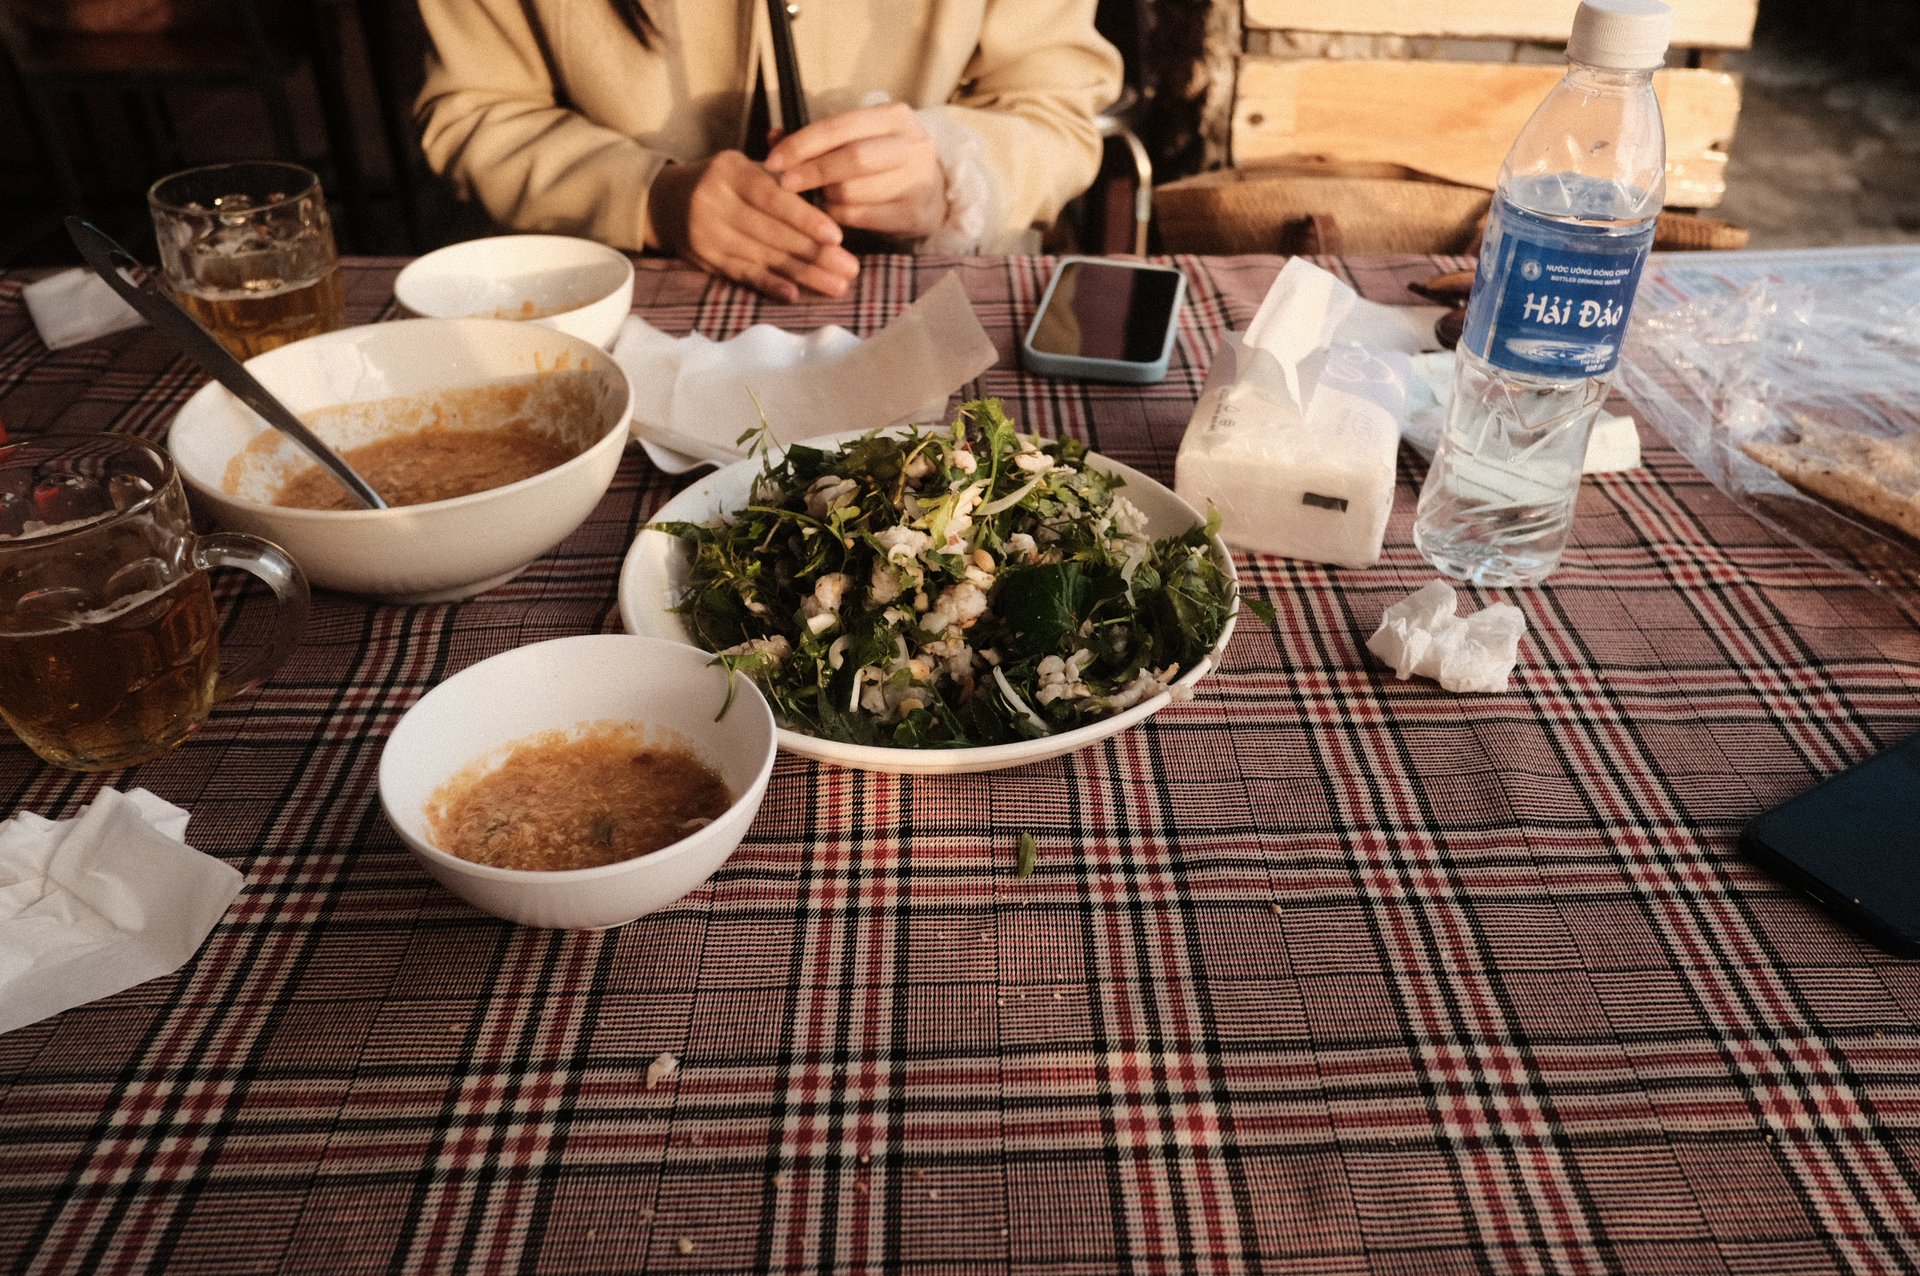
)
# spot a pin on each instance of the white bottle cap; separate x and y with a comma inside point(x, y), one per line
point(1621, 35)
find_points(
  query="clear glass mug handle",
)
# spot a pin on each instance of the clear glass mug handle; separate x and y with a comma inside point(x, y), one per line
point(289, 585)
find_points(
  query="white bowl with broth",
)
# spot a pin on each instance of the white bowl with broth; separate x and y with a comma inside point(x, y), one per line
point(431, 379)
point(573, 285)
point(667, 692)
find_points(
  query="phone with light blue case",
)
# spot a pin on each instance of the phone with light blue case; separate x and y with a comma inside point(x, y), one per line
point(1103, 319)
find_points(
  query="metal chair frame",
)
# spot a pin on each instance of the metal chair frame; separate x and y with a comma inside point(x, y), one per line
point(1125, 23)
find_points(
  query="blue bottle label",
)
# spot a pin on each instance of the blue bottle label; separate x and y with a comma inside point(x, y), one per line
point(1551, 298)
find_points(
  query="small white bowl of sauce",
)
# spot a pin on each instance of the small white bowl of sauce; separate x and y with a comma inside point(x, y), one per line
point(573, 285)
point(580, 782)
point(491, 441)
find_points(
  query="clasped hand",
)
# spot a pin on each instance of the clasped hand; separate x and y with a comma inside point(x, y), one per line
point(876, 165)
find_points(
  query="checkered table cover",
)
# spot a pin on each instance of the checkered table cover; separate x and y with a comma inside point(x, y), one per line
point(1319, 972)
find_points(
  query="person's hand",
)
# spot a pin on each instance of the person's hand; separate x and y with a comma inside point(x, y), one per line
point(731, 217)
point(877, 166)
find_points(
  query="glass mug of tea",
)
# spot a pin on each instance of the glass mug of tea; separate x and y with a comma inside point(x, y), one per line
point(247, 249)
point(109, 638)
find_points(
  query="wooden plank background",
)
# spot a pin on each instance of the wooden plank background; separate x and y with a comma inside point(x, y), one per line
point(1704, 24)
point(1456, 120)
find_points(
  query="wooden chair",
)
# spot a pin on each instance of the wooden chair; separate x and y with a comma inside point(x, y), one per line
point(246, 46)
point(1385, 122)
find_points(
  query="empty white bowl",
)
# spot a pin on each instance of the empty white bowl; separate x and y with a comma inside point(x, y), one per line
point(671, 690)
point(433, 552)
point(572, 285)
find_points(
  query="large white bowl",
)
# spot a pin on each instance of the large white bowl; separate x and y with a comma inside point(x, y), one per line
point(573, 285)
point(654, 579)
point(434, 552)
point(667, 688)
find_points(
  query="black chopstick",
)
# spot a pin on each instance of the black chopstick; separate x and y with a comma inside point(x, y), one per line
point(786, 67)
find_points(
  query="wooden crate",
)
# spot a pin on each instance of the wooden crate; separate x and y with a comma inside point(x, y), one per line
point(1697, 24)
point(1455, 119)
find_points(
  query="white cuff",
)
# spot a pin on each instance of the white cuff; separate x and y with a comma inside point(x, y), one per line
point(970, 191)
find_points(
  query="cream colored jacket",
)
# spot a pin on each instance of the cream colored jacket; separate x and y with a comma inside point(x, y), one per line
point(555, 118)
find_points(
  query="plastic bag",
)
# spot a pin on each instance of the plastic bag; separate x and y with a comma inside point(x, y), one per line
point(1775, 360)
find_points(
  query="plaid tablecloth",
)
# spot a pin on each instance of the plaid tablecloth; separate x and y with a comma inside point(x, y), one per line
point(1319, 972)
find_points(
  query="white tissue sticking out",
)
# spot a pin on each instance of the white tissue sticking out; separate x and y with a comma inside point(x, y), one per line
point(1421, 634)
point(1296, 436)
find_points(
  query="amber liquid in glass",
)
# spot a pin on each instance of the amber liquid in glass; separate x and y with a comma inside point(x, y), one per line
point(253, 323)
point(121, 686)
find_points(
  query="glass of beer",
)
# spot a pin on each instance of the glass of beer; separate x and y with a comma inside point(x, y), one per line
point(248, 250)
point(109, 639)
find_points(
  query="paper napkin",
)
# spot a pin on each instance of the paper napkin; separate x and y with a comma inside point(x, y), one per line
point(99, 903)
point(75, 306)
point(1423, 634)
point(694, 397)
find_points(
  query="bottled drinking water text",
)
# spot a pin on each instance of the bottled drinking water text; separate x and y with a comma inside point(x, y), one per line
point(1571, 223)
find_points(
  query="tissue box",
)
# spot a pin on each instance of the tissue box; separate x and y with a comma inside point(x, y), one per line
point(1318, 487)
point(1295, 439)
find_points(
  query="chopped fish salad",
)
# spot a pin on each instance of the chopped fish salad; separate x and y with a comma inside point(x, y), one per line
point(949, 586)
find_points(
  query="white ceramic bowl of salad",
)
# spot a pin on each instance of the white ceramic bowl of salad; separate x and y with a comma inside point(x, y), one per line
point(656, 575)
point(574, 285)
point(666, 689)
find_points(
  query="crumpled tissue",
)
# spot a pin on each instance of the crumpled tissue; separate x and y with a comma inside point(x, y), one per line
point(1614, 444)
point(1422, 634)
point(75, 306)
point(99, 903)
point(694, 397)
point(1296, 436)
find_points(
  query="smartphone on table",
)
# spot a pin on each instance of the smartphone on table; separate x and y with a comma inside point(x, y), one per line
point(1853, 844)
point(1106, 320)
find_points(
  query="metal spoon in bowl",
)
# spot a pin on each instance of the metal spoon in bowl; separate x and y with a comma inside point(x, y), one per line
point(110, 261)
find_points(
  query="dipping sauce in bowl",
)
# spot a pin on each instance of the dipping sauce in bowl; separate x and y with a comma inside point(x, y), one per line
point(528, 309)
point(430, 465)
point(577, 799)
point(435, 446)
point(574, 709)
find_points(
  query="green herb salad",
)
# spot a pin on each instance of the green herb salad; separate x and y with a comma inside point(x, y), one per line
point(949, 587)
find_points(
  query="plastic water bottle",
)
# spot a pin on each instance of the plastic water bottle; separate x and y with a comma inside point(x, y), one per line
point(1571, 223)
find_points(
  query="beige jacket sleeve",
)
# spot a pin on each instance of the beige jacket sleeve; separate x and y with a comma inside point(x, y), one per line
point(554, 117)
point(1037, 80)
point(491, 120)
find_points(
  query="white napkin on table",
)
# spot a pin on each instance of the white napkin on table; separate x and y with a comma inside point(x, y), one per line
point(99, 903)
point(75, 306)
point(694, 397)
point(1422, 634)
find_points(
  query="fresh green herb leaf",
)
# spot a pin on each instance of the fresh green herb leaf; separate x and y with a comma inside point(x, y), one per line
point(757, 439)
point(1263, 609)
point(1042, 605)
point(1025, 855)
